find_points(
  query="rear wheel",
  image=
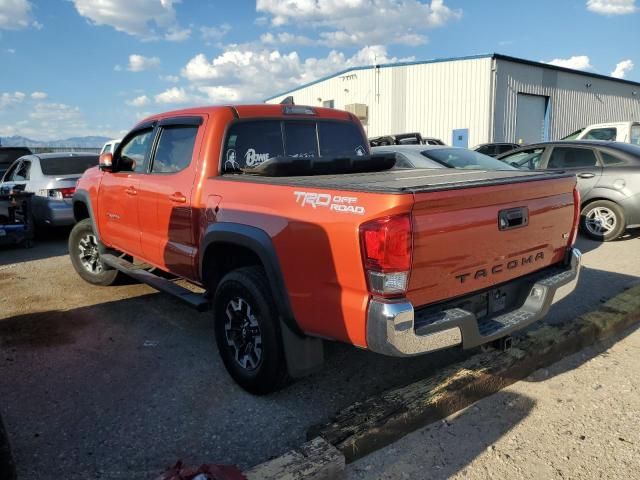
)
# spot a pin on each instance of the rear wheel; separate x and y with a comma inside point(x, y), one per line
point(247, 331)
point(84, 250)
point(602, 220)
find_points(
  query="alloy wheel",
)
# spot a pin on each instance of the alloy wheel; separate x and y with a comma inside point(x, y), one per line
point(600, 221)
point(89, 254)
point(243, 334)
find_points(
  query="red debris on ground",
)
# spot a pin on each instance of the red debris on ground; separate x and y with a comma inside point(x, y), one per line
point(204, 472)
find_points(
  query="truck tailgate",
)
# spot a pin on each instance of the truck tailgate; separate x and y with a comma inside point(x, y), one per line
point(459, 246)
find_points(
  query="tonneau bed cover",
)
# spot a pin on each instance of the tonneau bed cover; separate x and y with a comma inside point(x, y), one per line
point(404, 181)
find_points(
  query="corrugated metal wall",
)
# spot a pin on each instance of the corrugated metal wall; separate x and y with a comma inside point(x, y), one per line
point(430, 98)
point(573, 104)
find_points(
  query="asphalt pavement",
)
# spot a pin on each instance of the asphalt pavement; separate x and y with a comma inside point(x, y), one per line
point(121, 382)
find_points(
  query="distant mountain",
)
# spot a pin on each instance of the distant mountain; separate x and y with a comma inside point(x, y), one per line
point(77, 142)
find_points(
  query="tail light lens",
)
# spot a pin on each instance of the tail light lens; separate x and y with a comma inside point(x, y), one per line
point(386, 245)
point(576, 217)
point(62, 193)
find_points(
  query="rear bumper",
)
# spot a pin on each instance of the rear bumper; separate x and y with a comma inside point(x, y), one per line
point(395, 329)
point(54, 213)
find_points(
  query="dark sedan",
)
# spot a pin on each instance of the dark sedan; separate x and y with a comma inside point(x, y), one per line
point(608, 179)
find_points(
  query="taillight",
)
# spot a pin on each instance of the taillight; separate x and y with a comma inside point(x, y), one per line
point(62, 193)
point(386, 245)
point(576, 217)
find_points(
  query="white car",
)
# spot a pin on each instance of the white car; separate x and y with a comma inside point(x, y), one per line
point(626, 132)
point(110, 146)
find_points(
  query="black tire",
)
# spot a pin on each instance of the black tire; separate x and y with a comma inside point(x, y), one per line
point(84, 250)
point(248, 332)
point(602, 220)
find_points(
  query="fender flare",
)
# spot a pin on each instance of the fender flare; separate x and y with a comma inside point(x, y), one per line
point(82, 196)
point(260, 243)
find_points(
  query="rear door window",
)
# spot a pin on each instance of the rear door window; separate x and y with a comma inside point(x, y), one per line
point(609, 134)
point(525, 159)
point(565, 157)
point(175, 149)
point(22, 173)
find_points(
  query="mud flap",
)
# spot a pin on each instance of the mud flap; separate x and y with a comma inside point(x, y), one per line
point(304, 355)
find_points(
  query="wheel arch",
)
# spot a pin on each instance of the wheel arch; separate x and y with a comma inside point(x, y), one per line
point(82, 209)
point(245, 245)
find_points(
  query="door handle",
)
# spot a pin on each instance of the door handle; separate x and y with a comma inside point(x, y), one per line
point(131, 191)
point(178, 198)
point(587, 175)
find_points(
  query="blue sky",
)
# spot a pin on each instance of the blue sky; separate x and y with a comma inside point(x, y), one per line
point(94, 67)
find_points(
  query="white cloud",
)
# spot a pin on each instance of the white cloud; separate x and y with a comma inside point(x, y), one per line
point(148, 19)
point(173, 95)
point(54, 112)
point(139, 63)
point(140, 101)
point(622, 68)
point(612, 7)
point(285, 38)
point(39, 95)
point(577, 62)
point(251, 72)
point(16, 15)
point(361, 22)
point(176, 34)
point(11, 50)
point(211, 34)
point(8, 99)
point(169, 78)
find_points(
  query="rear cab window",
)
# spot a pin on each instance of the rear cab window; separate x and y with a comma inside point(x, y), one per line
point(251, 143)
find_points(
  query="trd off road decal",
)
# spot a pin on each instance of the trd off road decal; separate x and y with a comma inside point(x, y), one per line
point(337, 203)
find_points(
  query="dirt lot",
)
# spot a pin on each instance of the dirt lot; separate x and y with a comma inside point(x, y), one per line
point(120, 382)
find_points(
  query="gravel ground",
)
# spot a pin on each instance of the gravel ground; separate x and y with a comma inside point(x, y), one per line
point(121, 382)
point(578, 419)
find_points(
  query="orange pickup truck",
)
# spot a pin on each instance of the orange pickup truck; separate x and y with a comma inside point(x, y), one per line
point(297, 235)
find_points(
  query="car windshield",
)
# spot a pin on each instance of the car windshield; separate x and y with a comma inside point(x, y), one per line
point(465, 159)
point(67, 165)
point(574, 135)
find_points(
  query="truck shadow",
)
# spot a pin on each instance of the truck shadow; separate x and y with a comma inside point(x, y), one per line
point(49, 243)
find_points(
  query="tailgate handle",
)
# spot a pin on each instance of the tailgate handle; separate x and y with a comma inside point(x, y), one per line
point(513, 218)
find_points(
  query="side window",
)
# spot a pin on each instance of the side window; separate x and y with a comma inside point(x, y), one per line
point(609, 159)
point(402, 161)
point(485, 150)
point(175, 149)
point(635, 134)
point(328, 104)
point(107, 149)
point(563, 157)
point(249, 144)
point(504, 149)
point(134, 152)
point(609, 133)
point(22, 173)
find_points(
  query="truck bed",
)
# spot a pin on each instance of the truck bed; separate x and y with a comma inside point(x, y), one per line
point(404, 181)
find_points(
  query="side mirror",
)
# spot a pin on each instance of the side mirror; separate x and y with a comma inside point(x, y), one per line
point(105, 163)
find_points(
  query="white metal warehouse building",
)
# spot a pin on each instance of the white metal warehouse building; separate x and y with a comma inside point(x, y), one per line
point(471, 100)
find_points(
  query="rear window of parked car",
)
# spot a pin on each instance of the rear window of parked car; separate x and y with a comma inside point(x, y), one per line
point(249, 144)
point(463, 158)
point(67, 165)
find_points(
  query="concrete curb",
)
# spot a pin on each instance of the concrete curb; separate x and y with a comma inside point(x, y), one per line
point(382, 419)
point(314, 460)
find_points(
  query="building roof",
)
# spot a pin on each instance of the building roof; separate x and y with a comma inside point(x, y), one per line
point(496, 56)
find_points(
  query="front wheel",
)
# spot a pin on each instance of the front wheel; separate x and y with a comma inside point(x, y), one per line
point(247, 331)
point(602, 220)
point(84, 250)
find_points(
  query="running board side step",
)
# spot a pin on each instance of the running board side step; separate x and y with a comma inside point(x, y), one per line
point(195, 300)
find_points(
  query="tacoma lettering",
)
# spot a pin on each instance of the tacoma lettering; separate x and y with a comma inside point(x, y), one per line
point(510, 265)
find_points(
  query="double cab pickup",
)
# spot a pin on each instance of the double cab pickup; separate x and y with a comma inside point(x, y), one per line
point(294, 234)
